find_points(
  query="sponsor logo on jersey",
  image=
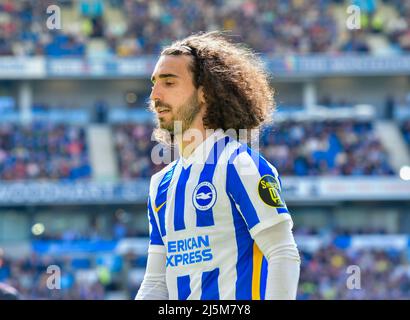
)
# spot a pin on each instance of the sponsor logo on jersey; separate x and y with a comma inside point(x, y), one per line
point(269, 191)
point(188, 251)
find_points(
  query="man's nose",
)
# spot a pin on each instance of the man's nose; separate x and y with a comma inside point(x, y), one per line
point(156, 94)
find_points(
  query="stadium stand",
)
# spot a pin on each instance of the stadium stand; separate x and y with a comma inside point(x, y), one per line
point(297, 148)
point(133, 146)
point(43, 151)
point(384, 272)
point(128, 28)
point(325, 148)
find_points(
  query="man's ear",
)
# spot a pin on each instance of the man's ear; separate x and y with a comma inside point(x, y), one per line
point(201, 95)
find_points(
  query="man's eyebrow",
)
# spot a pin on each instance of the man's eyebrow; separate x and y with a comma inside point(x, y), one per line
point(164, 75)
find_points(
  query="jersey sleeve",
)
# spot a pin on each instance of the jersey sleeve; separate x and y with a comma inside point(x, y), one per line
point(156, 245)
point(255, 188)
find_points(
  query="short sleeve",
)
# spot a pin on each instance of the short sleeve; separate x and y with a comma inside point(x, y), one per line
point(255, 188)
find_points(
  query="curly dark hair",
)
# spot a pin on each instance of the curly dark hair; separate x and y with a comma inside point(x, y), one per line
point(236, 86)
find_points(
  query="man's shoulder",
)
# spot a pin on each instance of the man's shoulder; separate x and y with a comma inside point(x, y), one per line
point(244, 156)
point(157, 177)
point(245, 152)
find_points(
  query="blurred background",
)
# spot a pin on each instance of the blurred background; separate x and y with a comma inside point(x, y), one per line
point(75, 137)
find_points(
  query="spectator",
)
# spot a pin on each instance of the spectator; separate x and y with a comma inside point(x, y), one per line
point(43, 151)
point(277, 27)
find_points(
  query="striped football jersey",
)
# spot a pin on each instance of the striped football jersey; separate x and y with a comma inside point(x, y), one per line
point(204, 212)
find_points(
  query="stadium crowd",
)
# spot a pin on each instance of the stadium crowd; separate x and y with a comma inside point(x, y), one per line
point(343, 147)
point(384, 274)
point(59, 151)
point(336, 147)
point(42, 150)
point(30, 277)
point(134, 146)
point(129, 27)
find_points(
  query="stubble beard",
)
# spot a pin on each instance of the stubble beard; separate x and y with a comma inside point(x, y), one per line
point(179, 123)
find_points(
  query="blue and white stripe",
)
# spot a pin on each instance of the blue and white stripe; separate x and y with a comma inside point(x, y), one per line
point(237, 268)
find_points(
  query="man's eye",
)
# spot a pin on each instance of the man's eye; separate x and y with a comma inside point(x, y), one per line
point(169, 83)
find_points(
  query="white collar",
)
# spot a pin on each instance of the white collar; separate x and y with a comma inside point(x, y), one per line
point(201, 152)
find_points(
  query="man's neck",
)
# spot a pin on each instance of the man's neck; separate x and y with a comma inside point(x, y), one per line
point(190, 140)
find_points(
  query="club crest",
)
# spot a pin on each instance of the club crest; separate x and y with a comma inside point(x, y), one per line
point(204, 196)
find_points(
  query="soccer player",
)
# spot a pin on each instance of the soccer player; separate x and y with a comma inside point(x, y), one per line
point(219, 226)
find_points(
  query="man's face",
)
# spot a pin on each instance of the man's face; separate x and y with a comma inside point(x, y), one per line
point(173, 96)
